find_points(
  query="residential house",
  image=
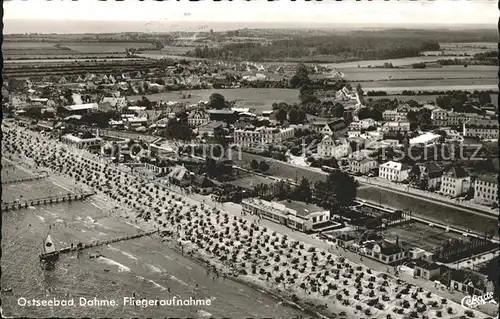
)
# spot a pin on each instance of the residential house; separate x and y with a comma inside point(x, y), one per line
point(119, 103)
point(362, 166)
point(179, 176)
point(262, 137)
point(486, 190)
point(201, 184)
point(198, 117)
point(455, 182)
point(481, 128)
point(426, 269)
point(330, 147)
point(393, 171)
point(431, 172)
point(439, 117)
point(296, 215)
point(362, 124)
point(211, 128)
point(135, 122)
point(385, 251)
point(394, 127)
point(333, 126)
point(470, 282)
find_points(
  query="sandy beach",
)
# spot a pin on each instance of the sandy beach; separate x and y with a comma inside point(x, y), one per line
point(313, 279)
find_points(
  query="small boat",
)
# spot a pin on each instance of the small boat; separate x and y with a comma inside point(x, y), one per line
point(49, 255)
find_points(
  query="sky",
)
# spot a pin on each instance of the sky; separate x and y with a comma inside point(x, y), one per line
point(447, 12)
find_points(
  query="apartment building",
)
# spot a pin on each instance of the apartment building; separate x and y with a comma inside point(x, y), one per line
point(393, 127)
point(329, 147)
point(363, 166)
point(362, 124)
point(486, 190)
point(442, 117)
point(258, 137)
point(394, 116)
point(455, 182)
point(481, 128)
point(394, 171)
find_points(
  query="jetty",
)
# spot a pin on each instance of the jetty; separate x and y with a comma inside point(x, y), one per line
point(80, 246)
point(45, 201)
point(25, 179)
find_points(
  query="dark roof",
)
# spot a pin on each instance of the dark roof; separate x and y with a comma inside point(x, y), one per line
point(223, 111)
point(202, 181)
point(424, 264)
point(457, 172)
point(468, 277)
point(386, 248)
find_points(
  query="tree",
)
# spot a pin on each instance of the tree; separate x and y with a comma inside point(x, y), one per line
point(146, 103)
point(216, 101)
point(414, 174)
point(338, 111)
point(263, 166)
point(254, 164)
point(484, 98)
point(411, 116)
point(281, 115)
point(339, 190)
point(303, 191)
point(293, 116)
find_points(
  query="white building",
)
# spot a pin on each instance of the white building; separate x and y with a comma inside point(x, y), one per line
point(394, 116)
point(259, 137)
point(486, 190)
point(296, 215)
point(328, 147)
point(455, 182)
point(362, 166)
point(198, 117)
point(362, 124)
point(393, 127)
point(425, 139)
point(394, 171)
point(481, 128)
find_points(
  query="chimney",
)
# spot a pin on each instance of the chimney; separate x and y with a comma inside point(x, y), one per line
point(397, 240)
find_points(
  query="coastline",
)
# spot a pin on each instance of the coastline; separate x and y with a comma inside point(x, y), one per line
point(190, 222)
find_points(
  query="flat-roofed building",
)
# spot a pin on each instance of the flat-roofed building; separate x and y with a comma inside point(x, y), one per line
point(426, 139)
point(296, 215)
point(85, 141)
point(486, 190)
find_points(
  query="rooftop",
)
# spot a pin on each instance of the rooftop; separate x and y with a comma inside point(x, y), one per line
point(425, 138)
point(78, 107)
point(302, 209)
point(488, 178)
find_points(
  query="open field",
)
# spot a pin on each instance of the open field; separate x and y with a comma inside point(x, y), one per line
point(423, 98)
point(250, 181)
point(71, 59)
point(420, 235)
point(431, 85)
point(258, 99)
point(446, 72)
point(104, 47)
point(50, 49)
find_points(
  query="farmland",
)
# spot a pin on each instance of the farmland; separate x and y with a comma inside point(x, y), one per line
point(258, 99)
point(424, 98)
point(431, 85)
point(446, 72)
point(38, 50)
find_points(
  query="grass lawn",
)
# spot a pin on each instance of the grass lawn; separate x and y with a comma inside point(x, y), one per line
point(258, 99)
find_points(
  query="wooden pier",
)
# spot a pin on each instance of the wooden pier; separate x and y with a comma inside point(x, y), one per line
point(45, 201)
point(26, 179)
point(81, 246)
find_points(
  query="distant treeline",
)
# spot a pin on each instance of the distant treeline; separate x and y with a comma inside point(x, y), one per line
point(407, 92)
point(347, 47)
